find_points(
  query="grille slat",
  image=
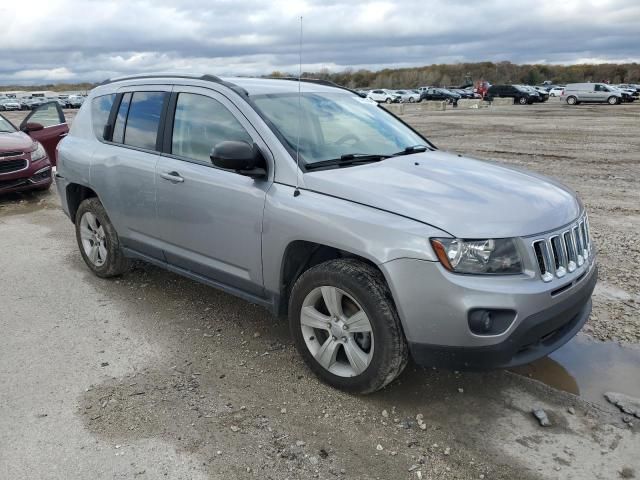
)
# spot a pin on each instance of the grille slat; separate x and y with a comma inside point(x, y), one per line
point(11, 154)
point(11, 166)
point(563, 252)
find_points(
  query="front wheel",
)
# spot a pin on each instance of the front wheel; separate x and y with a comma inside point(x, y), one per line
point(345, 326)
point(523, 100)
point(98, 241)
point(388, 100)
point(613, 100)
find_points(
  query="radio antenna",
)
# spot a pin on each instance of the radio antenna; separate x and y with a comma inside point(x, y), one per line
point(296, 192)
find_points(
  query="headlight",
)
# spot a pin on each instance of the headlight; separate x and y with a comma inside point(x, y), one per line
point(492, 256)
point(39, 153)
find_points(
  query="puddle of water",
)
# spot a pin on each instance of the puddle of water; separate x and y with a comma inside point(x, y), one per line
point(589, 368)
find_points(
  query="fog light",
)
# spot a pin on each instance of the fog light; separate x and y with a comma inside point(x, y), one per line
point(480, 321)
point(485, 321)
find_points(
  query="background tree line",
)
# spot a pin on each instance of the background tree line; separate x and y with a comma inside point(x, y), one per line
point(465, 73)
point(442, 75)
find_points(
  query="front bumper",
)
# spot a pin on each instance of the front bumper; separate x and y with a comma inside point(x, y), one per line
point(434, 307)
point(35, 176)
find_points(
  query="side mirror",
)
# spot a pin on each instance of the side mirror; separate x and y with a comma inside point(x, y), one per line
point(241, 157)
point(32, 127)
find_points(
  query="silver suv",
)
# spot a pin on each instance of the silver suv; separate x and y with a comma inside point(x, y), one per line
point(323, 206)
point(576, 93)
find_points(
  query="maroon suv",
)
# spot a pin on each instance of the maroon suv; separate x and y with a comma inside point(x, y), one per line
point(27, 154)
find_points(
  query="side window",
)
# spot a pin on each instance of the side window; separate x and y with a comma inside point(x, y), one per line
point(200, 123)
point(47, 115)
point(100, 110)
point(143, 119)
point(121, 119)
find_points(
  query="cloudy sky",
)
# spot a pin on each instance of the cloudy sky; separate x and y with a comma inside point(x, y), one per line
point(89, 40)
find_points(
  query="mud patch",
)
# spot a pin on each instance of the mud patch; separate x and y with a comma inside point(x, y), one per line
point(589, 369)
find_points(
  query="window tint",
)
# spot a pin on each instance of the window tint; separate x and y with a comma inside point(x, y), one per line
point(100, 109)
point(47, 115)
point(118, 129)
point(200, 123)
point(143, 119)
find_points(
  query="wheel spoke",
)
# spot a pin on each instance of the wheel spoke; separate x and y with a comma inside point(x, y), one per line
point(102, 251)
point(93, 253)
point(333, 300)
point(91, 220)
point(358, 359)
point(358, 322)
point(310, 317)
point(326, 356)
point(86, 233)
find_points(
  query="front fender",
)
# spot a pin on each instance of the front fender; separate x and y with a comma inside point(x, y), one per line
point(368, 232)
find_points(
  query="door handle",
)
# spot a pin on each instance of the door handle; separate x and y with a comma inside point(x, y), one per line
point(173, 177)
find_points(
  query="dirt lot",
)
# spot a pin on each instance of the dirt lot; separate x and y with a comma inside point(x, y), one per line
point(154, 376)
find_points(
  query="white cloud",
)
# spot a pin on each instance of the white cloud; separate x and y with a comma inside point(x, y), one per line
point(90, 39)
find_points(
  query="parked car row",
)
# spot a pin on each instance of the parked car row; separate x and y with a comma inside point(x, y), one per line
point(572, 94)
point(65, 101)
point(451, 95)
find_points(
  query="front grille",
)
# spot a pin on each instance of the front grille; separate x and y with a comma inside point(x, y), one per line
point(13, 183)
point(564, 251)
point(11, 154)
point(10, 166)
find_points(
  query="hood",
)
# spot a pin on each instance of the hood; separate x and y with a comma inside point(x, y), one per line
point(15, 141)
point(467, 198)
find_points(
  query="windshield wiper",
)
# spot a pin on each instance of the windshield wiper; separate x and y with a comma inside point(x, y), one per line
point(410, 150)
point(347, 159)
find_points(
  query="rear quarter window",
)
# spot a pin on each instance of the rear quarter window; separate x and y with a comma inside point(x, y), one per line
point(100, 110)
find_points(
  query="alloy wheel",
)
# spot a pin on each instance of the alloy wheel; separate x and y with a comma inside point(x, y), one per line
point(337, 331)
point(93, 239)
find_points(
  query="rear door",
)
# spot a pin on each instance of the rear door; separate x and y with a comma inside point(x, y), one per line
point(47, 125)
point(124, 165)
point(210, 219)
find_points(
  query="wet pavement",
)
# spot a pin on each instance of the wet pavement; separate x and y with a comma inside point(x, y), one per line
point(589, 368)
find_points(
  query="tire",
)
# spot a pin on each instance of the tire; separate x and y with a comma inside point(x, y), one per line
point(571, 100)
point(360, 288)
point(523, 100)
point(613, 100)
point(93, 227)
point(552, 94)
point(387, 100)
point(412, 100)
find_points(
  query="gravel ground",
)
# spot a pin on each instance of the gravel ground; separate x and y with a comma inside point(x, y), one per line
point(155, 376)
point(595, 150)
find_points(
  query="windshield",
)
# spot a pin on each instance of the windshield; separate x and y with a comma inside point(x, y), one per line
point(5, 125)
point(332, 125)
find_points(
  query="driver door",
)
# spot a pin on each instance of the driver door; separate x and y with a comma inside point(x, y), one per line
point(209, 219)
point(47, 125)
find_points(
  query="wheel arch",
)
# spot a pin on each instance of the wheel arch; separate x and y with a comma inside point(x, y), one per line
point(76, 193)
point(301, 255)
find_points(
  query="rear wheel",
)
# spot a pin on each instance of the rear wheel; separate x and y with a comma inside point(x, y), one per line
point(98, 241)
point(523, 100)
point(572, 100)
point(613, 100)
point(345, 326)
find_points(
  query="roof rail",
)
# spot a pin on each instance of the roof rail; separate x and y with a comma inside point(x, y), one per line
point(195, 76)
